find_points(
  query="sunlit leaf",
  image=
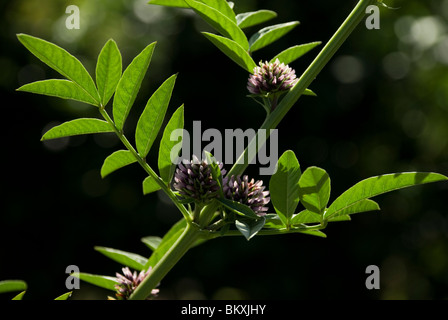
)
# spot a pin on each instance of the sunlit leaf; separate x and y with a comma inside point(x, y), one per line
point(117, 160)
point(150, 185)
point(222, 6)
point(270, 34)
point(105, 282)
point(220, 22)
point(129, 85)
point(64, 296)
point(249, 228)
point(377, 185)
point(233, 50)
point(12, 285)
point(293, 53)
point(78, 127)
point(151, 119)
point(314, 189)
point(170, 3)
point(170, 147)
point(19, 296)
point(128, 259)
point(108, 71)
point(284, 186)
point(253, 18)
point(61, 61)
point(64, 89)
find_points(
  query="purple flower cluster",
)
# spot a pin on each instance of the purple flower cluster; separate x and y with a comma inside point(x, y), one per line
point(128, 281)
point(271, 78)
point(248, 192)
point(194, 180)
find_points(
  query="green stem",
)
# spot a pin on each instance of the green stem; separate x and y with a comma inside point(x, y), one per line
point(145, 165)
point(192, 233)
point(168, 261)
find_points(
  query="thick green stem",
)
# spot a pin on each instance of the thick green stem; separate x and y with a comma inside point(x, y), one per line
point(168, 261)
point(192, 233)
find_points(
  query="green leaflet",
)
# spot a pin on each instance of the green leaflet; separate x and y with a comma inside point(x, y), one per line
point(220, 22)
point(377, 185)
point(151, 119)
point(284, 186)
point(78, 127)
point(249, 228)
point(233, 50)
point(152, 242)
point(239, 208)
point(105, 282)
point(222, 6)
point(61, 61)
point(150, 185)
point(314, 189)
point(293, 53)
point(270, 34)
point(19, 296)
point(12, 285)
point(128, 259)
point(170, 3)
point(64, 89)
point(64, 296)
point(249, 19)
point(108, 71)
point(117, 160)
point(129, 85)
point(170, 147)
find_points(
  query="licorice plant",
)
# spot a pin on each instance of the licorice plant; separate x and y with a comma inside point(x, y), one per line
point(214, 202)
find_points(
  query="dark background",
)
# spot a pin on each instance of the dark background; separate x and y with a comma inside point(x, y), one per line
point(381, 108)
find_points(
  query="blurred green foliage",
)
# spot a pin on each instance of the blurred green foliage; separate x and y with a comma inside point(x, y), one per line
point(382, 107)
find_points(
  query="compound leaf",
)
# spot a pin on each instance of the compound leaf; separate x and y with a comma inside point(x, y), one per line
point(61, 61)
